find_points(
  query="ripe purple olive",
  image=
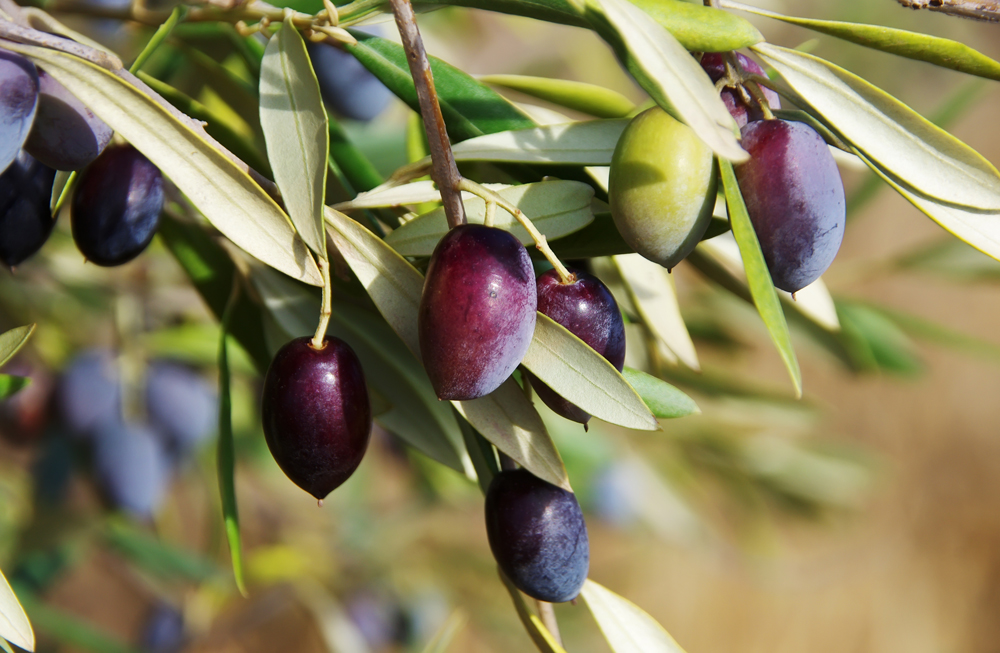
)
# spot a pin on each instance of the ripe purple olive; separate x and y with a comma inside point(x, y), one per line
point(316, 413)
point(132, 467)
point(89, 392)
point(589, 311)
point(537, 534)
point(18, 103)
point(117, 205)
point(66, 134)
point(795, 198)
point(477, 311)
point(25, 218)
point(743, 112)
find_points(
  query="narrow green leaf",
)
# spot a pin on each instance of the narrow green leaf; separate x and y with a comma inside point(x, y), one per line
point(590, 142)
point(981, 229)
point(917, 327)
point(628, 628)
point(442, 639)
point(12, 341)
point(157, 557)
point(296, 132)
point(71, 630)
point(216, 126)
point(700, 28)
point(880, 337)
point(652, 291)
point(470, 108)
point(211, 272)
point(216, 186)
point(663, 399)
point(582, 376)
point(159, 36)
point(416, 414)
point(556, 208)
point(60, 189)
point(600, 238)
point(912, 45)
point(11, 385)
point(709, 30)
point(537, 631)
point(586, 98)
point(14, 624)
point(888, 132)
point(758, 277)
point(225, 453)
point(504, 417)
point(667, 72)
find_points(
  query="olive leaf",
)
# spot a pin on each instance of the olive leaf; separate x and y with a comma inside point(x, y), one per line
point(536, 630)
point(626, 627)
point(652, 291)
point(589, 143)
point(912, 45)
point(12, 341)
point(11, 385)
point(586, 98)
point(758, 277)
point(668, 72)
point(216, 186)
point(570, 367)
point(556, 208)
point(504, 417)
point(889, 133)
point(664, 400)
point(295, 132)
point(14, 624)
point(813, 302)
point(981, 229)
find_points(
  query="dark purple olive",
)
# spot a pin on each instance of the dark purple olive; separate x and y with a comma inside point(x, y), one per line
point(714, 65)
point(164, 630)
point(589, 311)
point(66, 134)
point(89, 392)
point(132, 467)
point(477, 311)
point(316, 413)
point(18, 103)
point(795, 198)
point(117, 205)
point(537, 535)
point(348, 88)
point(25, 219)
point(181, 406)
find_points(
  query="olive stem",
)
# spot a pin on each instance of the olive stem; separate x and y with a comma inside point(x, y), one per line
point(443, 171)
point(319, 340)
point(548, 616)
point(491, 211)
point(507, 463)
point(489, 196)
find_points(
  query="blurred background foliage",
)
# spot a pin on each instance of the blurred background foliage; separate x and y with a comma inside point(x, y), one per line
point(861, 518)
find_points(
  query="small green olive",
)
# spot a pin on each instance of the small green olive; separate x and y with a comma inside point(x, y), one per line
point(662, 187)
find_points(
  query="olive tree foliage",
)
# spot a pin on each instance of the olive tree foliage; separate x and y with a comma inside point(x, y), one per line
point(310, 200)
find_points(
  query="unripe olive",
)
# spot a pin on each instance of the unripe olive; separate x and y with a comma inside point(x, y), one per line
point(662, 187)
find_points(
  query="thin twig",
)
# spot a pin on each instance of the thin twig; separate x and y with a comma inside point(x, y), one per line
point(548, 616)
point(541, 243)
point(319, 339)
point(444, 171)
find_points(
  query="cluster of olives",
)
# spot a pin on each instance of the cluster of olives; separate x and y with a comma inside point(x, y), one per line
point(134, 461)
point(664, 182)
point(44, 128)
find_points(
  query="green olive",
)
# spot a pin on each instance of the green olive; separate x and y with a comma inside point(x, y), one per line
point(662, 187)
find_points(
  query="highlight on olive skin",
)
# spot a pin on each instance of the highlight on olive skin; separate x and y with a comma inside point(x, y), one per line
point(116, 206)
point(477, 311)
point(18, 104)
point(316, 413)
point(795, 198)
point(537, 535)
point(662, 187)
point(589, 311)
